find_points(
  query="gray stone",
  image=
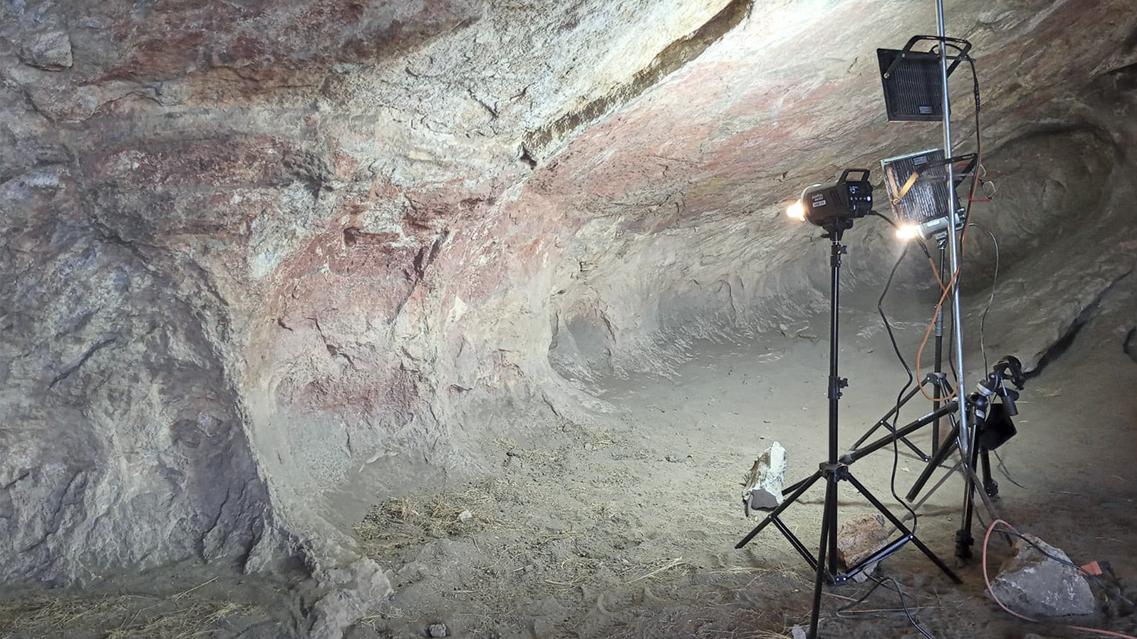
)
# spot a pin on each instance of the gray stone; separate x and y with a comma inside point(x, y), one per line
point(47, 50)
point(352, 592)
point(1035, 585)
point(766, 480)
point(438, 630)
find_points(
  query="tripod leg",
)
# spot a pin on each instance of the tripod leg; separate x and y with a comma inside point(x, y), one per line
point(883, 421)
point(990, 486)
point(795, 542)
point(902, 528)
point(964, 540)
point(913, 447)
point(935, 462)
point(802, 487)
point(932, 491)
point(833, 529)
point(819, 579)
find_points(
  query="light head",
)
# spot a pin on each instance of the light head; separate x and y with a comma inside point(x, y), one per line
point(835, 206)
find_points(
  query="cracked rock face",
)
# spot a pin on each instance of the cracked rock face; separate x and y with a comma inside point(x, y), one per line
point(266, 262)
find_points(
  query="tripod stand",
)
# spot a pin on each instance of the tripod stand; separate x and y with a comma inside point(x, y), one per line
point(835, 470)
point(992, 428)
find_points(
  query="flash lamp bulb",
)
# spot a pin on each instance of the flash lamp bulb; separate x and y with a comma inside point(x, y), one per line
point(796, 211)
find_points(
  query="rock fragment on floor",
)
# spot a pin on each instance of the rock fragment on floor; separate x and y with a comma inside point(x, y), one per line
point(861, 536)
point(1033, 584)
point(438, 630)
point(354, 590)
point(766, 479)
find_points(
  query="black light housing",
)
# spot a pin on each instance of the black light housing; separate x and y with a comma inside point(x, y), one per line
point(835, 204)
point(913, 86)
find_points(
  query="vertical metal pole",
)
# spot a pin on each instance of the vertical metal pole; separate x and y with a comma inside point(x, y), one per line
point(939, 361)
point(835, 384)
point(953, 242)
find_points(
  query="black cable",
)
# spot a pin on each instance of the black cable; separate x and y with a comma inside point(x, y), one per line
point(1006, 472)
point(877, 583)
point(903, 604)
point(883, 217)
point(907, 385)
point(860, 600)
point(990, 298)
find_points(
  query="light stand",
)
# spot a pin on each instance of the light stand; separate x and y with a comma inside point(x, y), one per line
point(938, 361)
point(979, 405)
point(965, 437)
point(915, 89)
point(836, 469)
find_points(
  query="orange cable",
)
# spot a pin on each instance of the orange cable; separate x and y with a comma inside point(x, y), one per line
point(948, 287)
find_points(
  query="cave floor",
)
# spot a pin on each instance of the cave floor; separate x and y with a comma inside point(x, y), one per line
point(179, 601)
point(626, 527)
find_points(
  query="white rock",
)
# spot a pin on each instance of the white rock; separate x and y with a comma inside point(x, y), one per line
point(766, 479)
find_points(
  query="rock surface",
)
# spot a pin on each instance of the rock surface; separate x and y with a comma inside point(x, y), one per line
point(861, 536)
point(265, 263)
point(352, 591)
point(1039, 582)
point(766, 479)
point(47, 50)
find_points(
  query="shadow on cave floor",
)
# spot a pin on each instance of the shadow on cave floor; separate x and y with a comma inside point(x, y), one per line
point(625, 527)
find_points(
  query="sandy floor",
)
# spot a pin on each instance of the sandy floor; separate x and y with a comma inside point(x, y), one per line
point(626, 528)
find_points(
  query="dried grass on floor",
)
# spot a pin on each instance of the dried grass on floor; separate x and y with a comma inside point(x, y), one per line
point(117, 617)
point(397, 523)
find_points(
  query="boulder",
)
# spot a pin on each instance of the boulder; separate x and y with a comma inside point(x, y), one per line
point(1037, 585)
point(352, 592)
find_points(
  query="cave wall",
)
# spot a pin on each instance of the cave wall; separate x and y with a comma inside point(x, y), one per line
point(265, 263)
point(223, 223)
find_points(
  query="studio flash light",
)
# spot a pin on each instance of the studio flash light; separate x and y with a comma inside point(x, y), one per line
point(835, 205)
point(917, 192)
